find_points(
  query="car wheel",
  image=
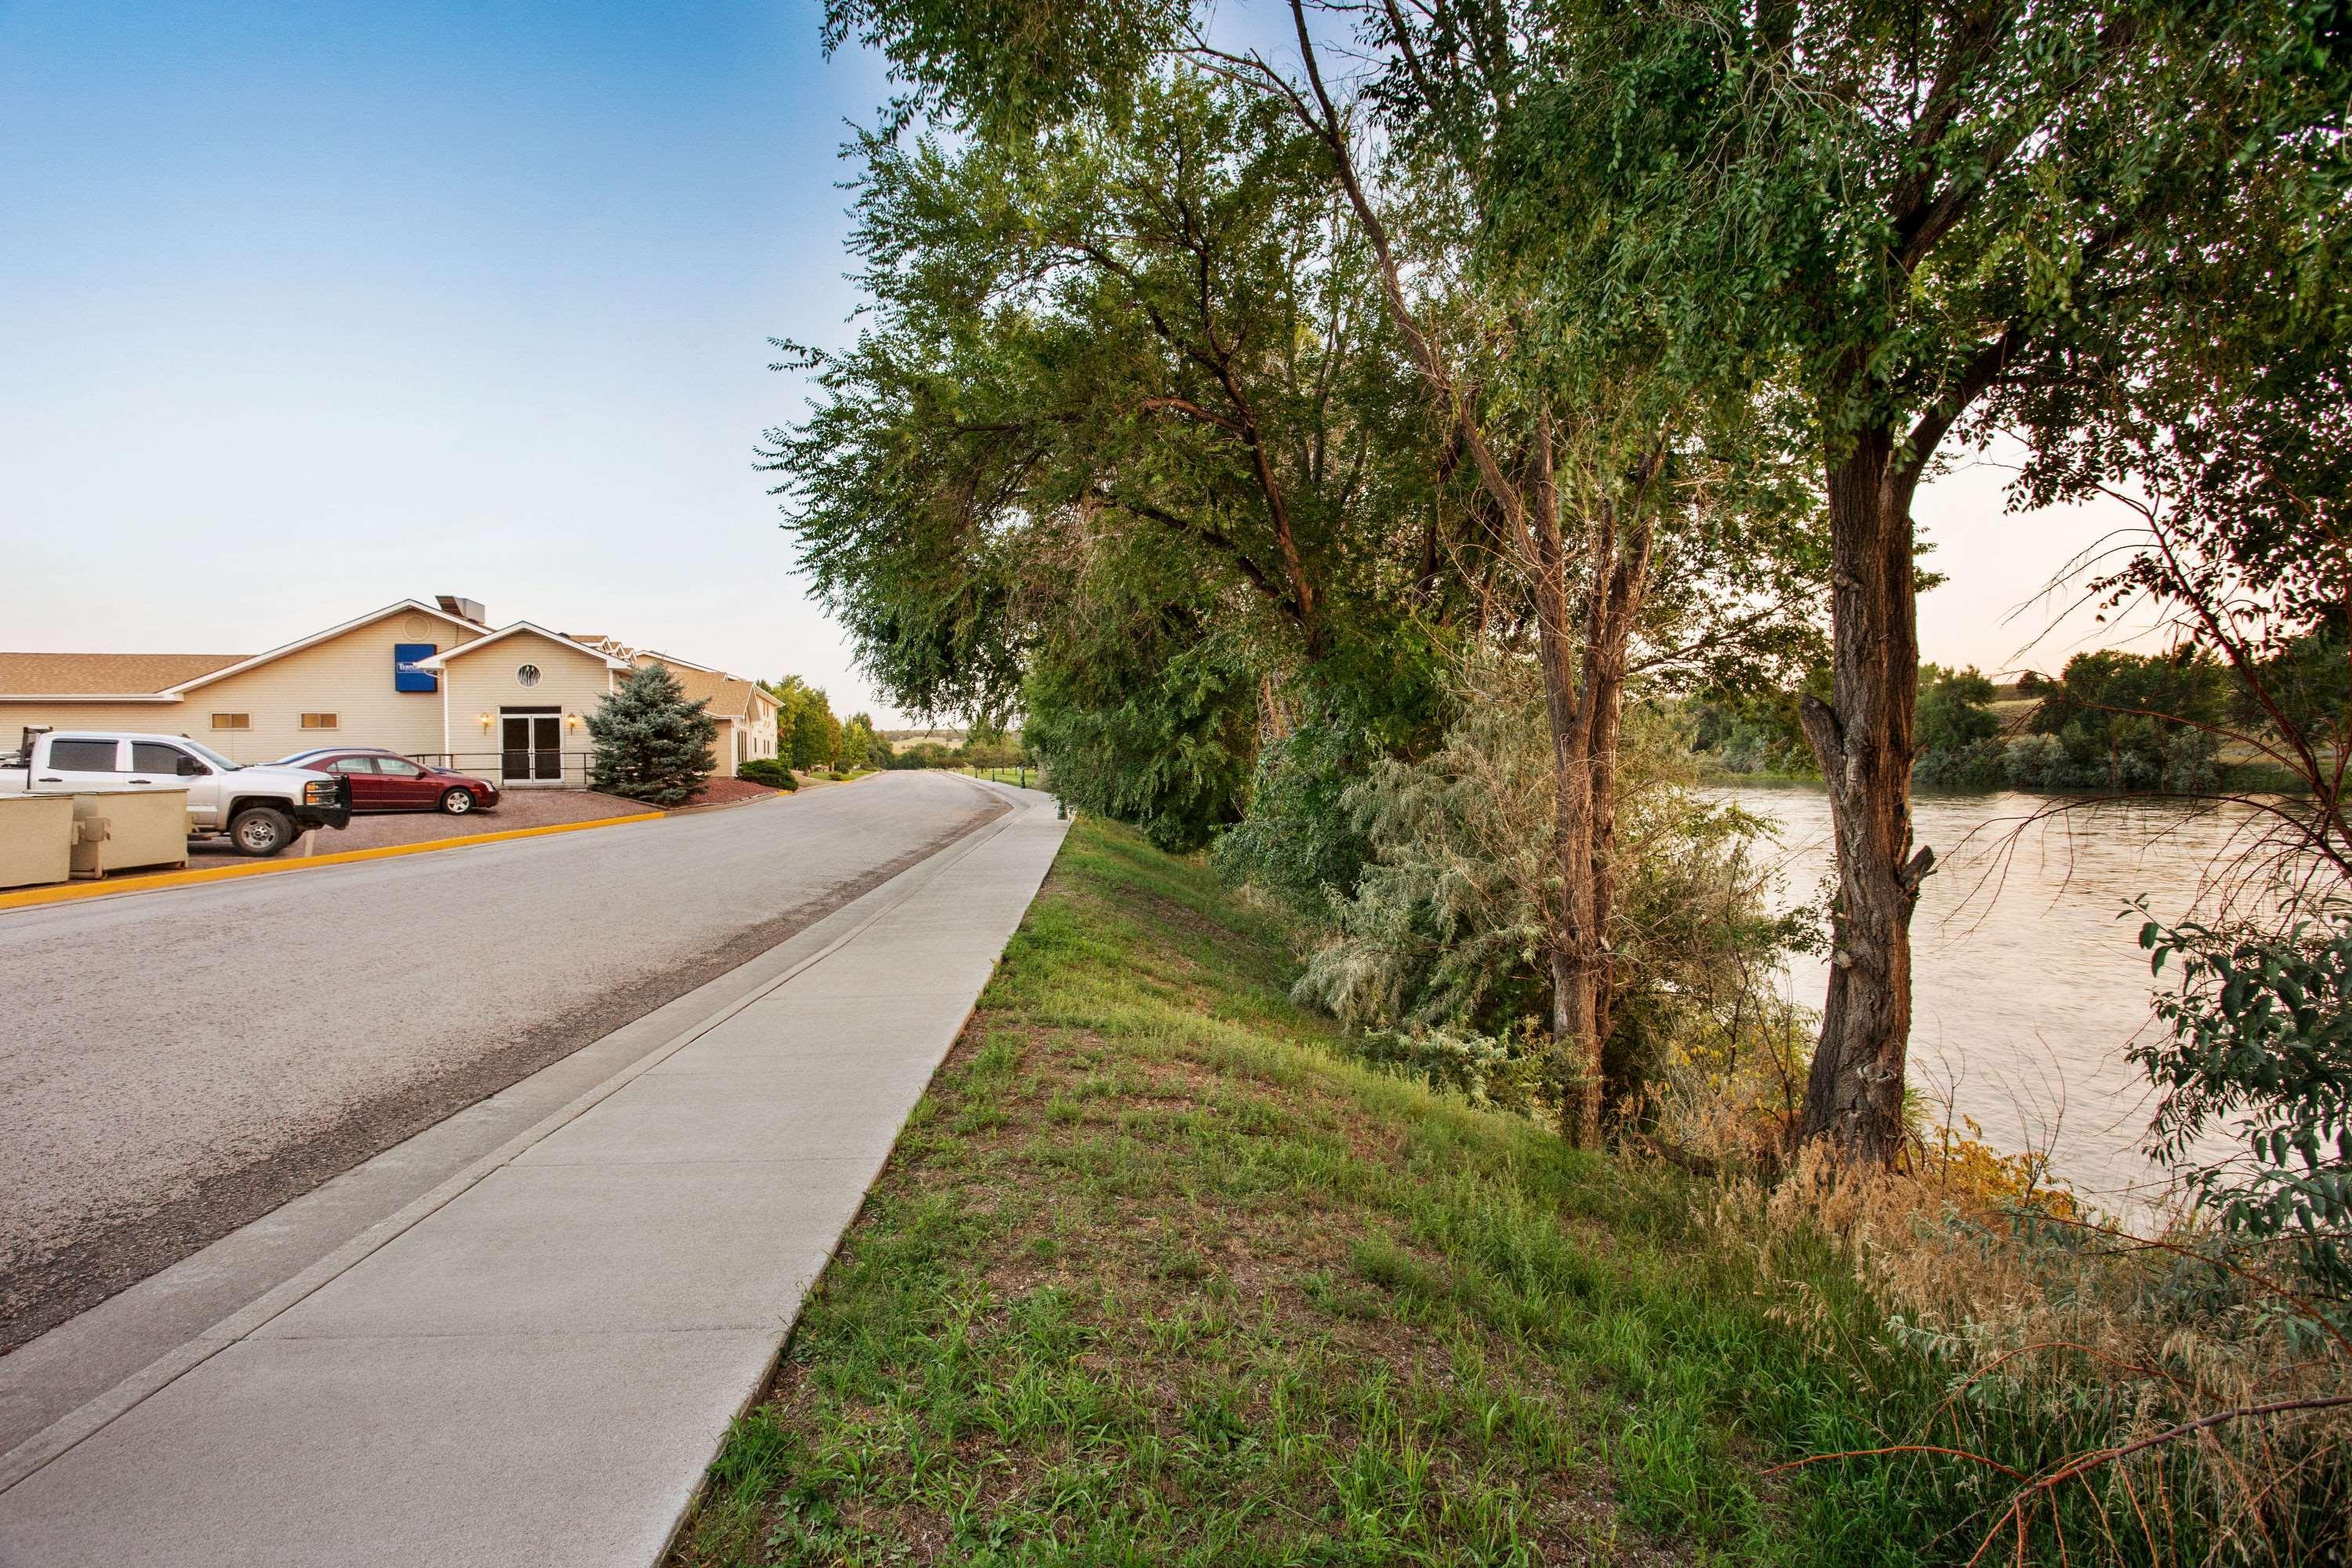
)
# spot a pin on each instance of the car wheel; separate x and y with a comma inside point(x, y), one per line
point(261, 830)
point(457, 802)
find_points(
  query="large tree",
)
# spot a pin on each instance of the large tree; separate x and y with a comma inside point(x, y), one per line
point(1943, 220)
point(1124, 405)
point(1548, 461)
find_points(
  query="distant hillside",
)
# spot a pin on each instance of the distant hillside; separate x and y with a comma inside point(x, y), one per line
point(902, 739)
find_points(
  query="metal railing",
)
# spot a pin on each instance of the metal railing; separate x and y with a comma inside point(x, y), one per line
point(518, 769)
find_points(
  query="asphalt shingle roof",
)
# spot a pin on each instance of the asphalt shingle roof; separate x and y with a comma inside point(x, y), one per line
point(105, 674)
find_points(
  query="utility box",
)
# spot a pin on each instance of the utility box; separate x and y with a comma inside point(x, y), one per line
point(36, 840)
point(123, 828)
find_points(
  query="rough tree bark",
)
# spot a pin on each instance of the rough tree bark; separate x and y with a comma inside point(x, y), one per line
point(1862, 740)
point(1584, 668)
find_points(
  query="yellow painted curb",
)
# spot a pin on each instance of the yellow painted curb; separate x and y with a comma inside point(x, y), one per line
point(65, 891)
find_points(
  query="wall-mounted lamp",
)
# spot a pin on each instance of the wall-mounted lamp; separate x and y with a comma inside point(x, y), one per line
point(485, 719)
point(572, 721)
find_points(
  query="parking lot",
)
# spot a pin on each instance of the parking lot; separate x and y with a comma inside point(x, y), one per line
point(517, 808)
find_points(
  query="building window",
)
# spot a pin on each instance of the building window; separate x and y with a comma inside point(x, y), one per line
point(527, 676)
point(232, 720)
point(318, 721)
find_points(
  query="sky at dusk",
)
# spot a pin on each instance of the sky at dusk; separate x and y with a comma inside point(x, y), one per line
point(307, 308)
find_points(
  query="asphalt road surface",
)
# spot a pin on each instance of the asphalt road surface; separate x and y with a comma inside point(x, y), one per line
point(175, 1064)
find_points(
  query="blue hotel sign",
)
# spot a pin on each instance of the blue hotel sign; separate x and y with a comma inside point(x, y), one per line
point(405, 675)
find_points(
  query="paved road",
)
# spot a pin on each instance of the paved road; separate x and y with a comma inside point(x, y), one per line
point(178, 1063)
point(536, 1360)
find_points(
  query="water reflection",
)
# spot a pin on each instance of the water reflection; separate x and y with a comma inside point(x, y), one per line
point(2029, 979)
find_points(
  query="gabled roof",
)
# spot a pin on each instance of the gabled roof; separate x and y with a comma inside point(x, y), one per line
point(441, 660)
point(118, 674)
point(730, 696)
point(602, 643)
point(397, 607)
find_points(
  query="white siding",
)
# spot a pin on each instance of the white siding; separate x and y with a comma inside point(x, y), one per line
point(349, 676)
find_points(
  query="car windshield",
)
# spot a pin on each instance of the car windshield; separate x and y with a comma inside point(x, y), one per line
point(223, 764)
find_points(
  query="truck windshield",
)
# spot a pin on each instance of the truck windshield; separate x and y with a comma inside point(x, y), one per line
point(210, 755)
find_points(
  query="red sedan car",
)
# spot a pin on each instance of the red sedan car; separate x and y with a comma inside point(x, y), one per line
point(386, 781)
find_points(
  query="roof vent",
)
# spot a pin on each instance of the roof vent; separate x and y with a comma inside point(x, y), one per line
point(464, 609)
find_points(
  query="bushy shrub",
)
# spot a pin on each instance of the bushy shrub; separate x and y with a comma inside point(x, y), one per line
point(1298, 841)
point(1979, 764)
point(1505, 1072)
point(1445, 933)
point(1753, 732)
point(768, 771)
point(1159, 729)
point(2038, 761)
point(2180, 761)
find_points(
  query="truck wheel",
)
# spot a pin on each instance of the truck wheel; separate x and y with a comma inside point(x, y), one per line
point(261, 830)
point(457, 802)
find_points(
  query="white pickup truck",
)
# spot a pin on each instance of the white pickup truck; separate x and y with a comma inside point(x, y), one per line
point(261, 809)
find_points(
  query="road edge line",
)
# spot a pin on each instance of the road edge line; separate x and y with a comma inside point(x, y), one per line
point(156, 881)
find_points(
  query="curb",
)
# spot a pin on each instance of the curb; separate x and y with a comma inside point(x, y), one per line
point(154, 882)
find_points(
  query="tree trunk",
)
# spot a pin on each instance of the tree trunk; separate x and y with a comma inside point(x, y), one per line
point(1622, 579)
point(1586, 711)
point(1576, 948)
point(1862, 740)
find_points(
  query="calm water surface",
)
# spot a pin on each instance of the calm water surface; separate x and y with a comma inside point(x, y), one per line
point(2029, 979)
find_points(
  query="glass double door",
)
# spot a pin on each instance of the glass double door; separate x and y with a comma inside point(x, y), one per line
point(532, 743)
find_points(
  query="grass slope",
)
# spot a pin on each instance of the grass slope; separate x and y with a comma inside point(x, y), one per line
point(1156, 1277)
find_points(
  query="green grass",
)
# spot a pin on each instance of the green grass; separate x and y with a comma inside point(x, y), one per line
point(1032, 777)
point(1157, 1276)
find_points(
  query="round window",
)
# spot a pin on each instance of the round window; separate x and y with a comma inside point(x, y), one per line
point(527, 676)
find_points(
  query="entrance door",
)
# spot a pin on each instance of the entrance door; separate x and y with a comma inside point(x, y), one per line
point(531, 745)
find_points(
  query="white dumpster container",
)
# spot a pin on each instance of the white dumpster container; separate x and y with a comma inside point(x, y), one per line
point(121, 828)
point(37, 838)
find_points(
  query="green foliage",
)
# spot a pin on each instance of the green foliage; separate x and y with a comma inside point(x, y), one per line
point(1958, 731)
point(2307, 679)
point(2261, 1048)
point(1444, 929)
point(1150, 718)
point(1754, 729)
point(1298, 841)
point(1954, 709)
point(922, 754)
point(807, 735)
point(1052, 404)
point(2133, 721)
point(859, 746)
point(769, 771)
point(651, 743)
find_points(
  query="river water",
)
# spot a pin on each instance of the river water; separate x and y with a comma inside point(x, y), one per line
point(2030, 980)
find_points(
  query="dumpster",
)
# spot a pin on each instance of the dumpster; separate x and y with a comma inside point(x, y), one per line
point(121, 828)
point(36, 840)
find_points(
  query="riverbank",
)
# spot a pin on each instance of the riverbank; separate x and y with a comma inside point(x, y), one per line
point(1156, 1275)
point(2236, 779)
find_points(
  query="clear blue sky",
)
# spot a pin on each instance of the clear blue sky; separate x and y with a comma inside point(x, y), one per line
point(307, 307)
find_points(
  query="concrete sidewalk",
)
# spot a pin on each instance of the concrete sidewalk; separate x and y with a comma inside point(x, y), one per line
point(535, 1362)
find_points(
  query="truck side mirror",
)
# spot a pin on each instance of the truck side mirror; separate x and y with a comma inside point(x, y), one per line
point(192, 768)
